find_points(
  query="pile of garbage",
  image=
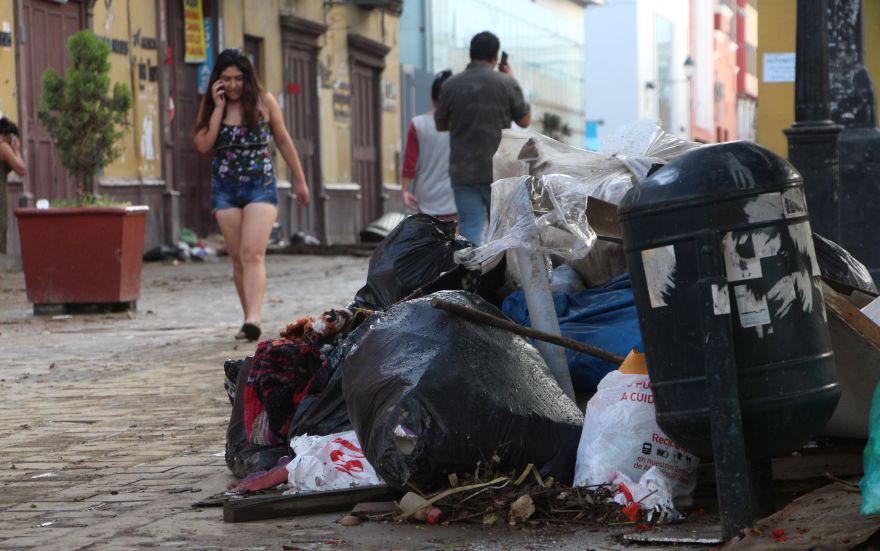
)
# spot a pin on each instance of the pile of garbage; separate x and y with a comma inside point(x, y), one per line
point(496, 384)
point(469, 421)
point(189, 247)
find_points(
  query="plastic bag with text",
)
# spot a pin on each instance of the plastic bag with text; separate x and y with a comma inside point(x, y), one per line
point(621, 435)
point(332, 462)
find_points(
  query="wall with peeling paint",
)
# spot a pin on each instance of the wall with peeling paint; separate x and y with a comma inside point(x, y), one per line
point(131, 28)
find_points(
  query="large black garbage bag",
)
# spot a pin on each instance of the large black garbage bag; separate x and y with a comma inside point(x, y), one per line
point(839, 266)
point(324, 413)
point(431, 394)
point(242, 456)
point(414, 254)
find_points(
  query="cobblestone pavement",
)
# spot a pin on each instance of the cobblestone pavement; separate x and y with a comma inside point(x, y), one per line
point(112, 425)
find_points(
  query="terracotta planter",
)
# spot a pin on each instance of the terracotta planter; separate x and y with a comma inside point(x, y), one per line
point(82, 255)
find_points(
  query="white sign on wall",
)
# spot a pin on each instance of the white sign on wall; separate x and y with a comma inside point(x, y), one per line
point(779, 67)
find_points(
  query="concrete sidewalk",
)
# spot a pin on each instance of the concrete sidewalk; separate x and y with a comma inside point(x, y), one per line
point(112, 425)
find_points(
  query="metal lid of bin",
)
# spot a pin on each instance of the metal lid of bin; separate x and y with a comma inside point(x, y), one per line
point(710, 173)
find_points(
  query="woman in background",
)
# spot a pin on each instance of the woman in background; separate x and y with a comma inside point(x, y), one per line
point(236, 120)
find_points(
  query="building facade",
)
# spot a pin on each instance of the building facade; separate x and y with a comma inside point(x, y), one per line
point(544, 41)
point(637, 56)
point(333, 67)
point(747, 68)
point(714, 85)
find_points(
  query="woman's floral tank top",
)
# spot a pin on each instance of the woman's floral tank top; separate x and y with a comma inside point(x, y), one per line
point(243, 154)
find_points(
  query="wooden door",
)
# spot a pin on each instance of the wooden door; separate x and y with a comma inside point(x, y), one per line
point(192, 170)
point(47, 25)
point(366, 154)
point(301, 118)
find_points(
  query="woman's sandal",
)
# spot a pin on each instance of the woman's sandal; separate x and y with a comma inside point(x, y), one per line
point(249, 331)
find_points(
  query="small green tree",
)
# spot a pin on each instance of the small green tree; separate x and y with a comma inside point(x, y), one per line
point(85, 122)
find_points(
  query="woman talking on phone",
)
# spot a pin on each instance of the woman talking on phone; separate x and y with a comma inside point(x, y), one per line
point(236, 118)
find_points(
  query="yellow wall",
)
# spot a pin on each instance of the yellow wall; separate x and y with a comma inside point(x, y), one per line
point(776, 33)
point(8, 95)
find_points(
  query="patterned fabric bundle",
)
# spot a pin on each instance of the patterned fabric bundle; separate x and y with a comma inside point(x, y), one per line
point(326, 328)
point(281, 376)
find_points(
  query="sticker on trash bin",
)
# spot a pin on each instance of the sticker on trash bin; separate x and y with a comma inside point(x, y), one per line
point(765, 243)
point(740, 260)
point(765, 208)
point(659, 266)
point(802, 236)
point(720, 300)
point(793, 202)
point(753, 311)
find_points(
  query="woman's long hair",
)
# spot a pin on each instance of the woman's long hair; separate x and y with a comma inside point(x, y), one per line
point(250, 96)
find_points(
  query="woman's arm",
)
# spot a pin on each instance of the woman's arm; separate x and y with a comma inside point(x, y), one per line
point(284, 143)
point(11, 156)
point(205, 138)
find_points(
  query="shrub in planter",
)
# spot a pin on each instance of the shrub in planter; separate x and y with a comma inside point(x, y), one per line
point(89, 252)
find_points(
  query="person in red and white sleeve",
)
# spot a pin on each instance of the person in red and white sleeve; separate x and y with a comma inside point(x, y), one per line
point(425, 175)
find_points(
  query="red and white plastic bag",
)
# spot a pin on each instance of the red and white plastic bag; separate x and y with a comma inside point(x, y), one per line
point(332, 462)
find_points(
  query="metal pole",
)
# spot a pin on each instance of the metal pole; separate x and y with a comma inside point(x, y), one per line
point(813, 140)
point(732, 468)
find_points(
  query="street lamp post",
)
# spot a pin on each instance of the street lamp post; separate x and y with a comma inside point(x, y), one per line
point(813, 139)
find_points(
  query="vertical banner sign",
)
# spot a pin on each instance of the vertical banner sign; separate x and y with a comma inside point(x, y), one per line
point(194, 32)
point(205, 68)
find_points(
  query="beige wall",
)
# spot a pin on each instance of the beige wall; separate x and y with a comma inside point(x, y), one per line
point(8, 93)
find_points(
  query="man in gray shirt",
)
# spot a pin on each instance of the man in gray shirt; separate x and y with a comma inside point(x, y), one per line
point(475, 106)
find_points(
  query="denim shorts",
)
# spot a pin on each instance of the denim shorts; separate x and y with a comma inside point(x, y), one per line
point(226, 194)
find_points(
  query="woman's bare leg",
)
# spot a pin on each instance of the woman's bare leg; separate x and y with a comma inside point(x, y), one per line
point(230, 222)
point(256, 227)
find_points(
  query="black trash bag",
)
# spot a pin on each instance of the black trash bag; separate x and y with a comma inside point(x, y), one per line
point(414, 254)
point(242, 456)
point(839, 266)
point(324, 413)
point(161, 253)
point(430, 394)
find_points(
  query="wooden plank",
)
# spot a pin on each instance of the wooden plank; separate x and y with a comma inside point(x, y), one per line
point(856, 343)
point(827, 518)
point(801, 467)
point(374, 508)
point(261, 508)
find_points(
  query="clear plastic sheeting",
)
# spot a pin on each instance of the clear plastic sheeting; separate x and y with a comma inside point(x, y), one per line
point(545, 214)
point(626, 158)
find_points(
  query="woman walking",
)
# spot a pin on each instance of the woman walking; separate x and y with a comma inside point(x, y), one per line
point(425, 175)
point(236, 119)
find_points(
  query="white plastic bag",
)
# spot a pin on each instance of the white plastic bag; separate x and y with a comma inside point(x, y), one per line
point(621, 435)
point(651, 493)
point(332, 462)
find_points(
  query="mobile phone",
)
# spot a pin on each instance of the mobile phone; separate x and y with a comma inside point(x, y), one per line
point(503, 62)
